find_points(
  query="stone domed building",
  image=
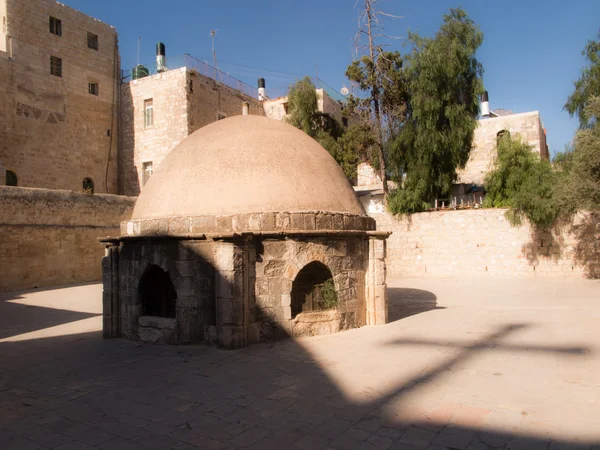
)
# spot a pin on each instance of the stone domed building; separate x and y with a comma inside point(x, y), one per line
point(247, 231)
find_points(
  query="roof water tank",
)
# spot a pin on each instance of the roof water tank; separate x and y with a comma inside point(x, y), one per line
point(139, 71)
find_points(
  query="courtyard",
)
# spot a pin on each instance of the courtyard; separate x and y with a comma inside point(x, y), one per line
point(462, 364)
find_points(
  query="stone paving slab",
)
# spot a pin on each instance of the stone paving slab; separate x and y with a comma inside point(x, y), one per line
point(469, 364)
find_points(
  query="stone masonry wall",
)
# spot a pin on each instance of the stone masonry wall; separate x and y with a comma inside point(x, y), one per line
point(183, 101)
point(53, 132)
point(473, 243)
point(50, 237)
point(527, 125)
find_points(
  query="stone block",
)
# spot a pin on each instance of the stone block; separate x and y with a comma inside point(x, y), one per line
point(179, 225)
point(297, 221)
point(310, 221)
point(154, 227)
point(283, 221)
point(338, 222)
point(224, 255)
point(349, 222)
point(324, 221)
point(230, 311)
point(267, 221)
point(230, 337)
point(160, 323)
point(224, 224)
point(203, 224)
point(255, 222)
point(240, 222)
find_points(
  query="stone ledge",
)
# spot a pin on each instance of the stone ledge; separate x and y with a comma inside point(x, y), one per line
point(268, 222)
point(160, 323)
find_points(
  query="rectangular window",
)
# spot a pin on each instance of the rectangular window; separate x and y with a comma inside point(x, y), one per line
point(146, 172)
point(55, 26)
point(92, 40)
point(56, 66)
point(148, 113)
point(93, 88)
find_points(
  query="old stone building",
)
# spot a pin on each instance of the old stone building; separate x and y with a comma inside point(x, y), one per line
point(247, 231)
point(58, 100)
point(160, 110)
point(485, 141)
point(277, 108)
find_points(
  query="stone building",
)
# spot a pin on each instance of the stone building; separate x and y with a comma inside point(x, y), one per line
point(58, 100)
point(247, 231)
point(485, 141)
point(277, 108)
point(160, 110)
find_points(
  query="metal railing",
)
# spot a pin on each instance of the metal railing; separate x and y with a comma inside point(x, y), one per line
point(203, 68)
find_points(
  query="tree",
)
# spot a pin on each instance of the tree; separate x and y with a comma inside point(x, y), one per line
point(378, 74)
point(588, 85)
point(524, 183)
point(444, 84)
point(327, 131)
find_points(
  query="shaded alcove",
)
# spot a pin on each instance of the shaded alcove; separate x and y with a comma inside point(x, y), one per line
point(156, 293)
point(313, 289)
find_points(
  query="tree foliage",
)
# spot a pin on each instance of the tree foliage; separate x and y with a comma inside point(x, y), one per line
point(443, 85)
point(305, 115)
point(588, 85)
point(524, 183)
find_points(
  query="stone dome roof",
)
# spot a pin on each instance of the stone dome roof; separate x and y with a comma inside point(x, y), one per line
point(245, 165)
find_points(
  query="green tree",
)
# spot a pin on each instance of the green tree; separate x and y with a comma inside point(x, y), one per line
point(524, 183)
point(378, 75)
point(444, 85)
point(327, 131)
point(588, 85)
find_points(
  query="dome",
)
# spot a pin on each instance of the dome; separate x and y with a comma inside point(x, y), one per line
point(244, 165)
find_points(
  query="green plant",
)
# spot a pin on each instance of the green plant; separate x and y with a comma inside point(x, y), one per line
point(327, 297)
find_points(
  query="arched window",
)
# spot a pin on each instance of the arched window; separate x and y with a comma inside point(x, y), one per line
point(11, 178)
point(500, 135)
point(88, 185)
point(313, 289)
point(156, 293)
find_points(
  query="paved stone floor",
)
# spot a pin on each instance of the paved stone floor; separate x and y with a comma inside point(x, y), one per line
point(463, 365)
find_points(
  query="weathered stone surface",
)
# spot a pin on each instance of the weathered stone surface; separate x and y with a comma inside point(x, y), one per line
point(297, 221)
point(203, 224)
point(161, 323)
point(179, 225)
point(323, 221)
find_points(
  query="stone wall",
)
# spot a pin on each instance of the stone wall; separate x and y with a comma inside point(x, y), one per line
point(183, 101)
point(527, 125)
point(50, 237)
point(479, 243)
point(53, 132)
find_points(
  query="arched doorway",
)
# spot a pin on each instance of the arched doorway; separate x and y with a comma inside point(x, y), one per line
point(156, 293)
point(313, 289)
point(88, 185)
point(11, 178)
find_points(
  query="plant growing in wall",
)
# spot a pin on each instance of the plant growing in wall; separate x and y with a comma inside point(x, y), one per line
point(327, 297)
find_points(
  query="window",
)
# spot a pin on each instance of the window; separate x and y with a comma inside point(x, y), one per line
point(286, 108)
point(92, 41)
point(313, 289)
point(88, 185)
point(148, 113)
point(157, 293)
point(146, 172)
point(11, 178)
point(56, 66)
point(93, 88)
point(55, 26)
point(500, 135)
point(191, 86)
point(221, 116)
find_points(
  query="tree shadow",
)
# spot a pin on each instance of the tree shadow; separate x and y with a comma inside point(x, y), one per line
point(406, 302)
point(577, 238)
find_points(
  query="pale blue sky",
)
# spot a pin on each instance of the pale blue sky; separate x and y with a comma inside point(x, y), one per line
point(531, 51)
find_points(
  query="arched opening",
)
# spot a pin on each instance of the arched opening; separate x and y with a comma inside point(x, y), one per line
point(11, 178)
point(501, 134)
point(88, 185)
point(156, 293)
point(313, 289)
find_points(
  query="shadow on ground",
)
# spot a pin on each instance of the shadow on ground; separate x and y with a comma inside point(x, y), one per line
point(109, 394)
point(406, 302)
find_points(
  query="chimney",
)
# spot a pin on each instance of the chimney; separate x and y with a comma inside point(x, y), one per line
point(262, 92)
point(161, 62)
point(245, 108)
point(485, 105)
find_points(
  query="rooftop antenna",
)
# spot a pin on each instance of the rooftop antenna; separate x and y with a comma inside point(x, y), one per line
point(212, 34)
point(138, 52)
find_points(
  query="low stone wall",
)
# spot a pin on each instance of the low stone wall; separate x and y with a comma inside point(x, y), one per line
point(50, 237)
point(482, 243)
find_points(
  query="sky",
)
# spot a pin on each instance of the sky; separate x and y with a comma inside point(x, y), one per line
point(531, 53)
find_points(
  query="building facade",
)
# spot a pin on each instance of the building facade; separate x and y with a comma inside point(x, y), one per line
point(58, 97)
point(485, 142)
point(159, 111)
point(277, 108)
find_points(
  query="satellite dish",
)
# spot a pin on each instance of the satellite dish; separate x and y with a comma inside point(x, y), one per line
point(344, 91)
